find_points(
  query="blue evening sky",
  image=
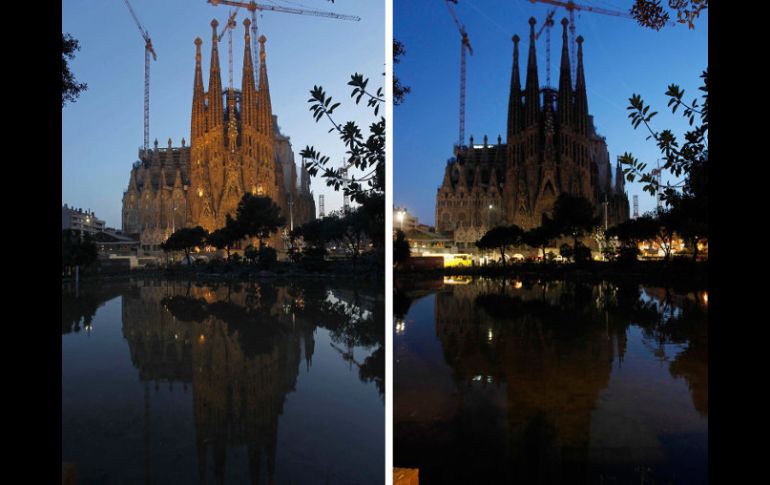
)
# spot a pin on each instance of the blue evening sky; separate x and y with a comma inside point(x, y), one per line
point(103, 130)
point(620, 58)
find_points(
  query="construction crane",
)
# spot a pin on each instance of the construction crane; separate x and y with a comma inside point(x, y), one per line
point(464, 44)
point(147, 51)
point(253, 7)
point(571, 7)
point(547, 25)
point(229, 26)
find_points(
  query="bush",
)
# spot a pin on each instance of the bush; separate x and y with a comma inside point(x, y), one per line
point(566, 251)
point(628, 254)
point(582, 253)
point(267, 256)
point(236, 258)
point(251, 253)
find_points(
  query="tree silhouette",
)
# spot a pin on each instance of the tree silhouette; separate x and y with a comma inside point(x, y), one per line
point(400, 248)
point(649, 13)
point(573, 216)
point(500, 238)
point(70, 88)
point(258, 217)
point(185, 239)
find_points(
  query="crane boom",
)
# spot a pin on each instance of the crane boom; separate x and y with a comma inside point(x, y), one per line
point(465, 44)
point(148, 49)
point(253, 7)
point(547, 25)
point(570, 5)
point(228, 25)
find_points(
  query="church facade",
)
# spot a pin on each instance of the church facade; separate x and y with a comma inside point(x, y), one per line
point(551, 148)
point(235, 148)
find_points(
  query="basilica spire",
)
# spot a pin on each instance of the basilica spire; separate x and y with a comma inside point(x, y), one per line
point(248, 91)
point(581, 99)
point(514, 100)
point(215, 109)
point(265, 111)
point(565, 79)
point(532, 90)
point(198, 127)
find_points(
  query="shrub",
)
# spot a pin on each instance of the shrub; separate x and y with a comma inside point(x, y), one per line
point(267, 256)
point(582, 254)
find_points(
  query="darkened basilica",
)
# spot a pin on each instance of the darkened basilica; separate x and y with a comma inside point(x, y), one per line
point(551, 148)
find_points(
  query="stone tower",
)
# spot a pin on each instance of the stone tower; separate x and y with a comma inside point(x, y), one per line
point(231, 147)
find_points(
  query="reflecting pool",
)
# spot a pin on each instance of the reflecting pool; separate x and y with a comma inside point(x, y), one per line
point(178, 382)
point(550, 382)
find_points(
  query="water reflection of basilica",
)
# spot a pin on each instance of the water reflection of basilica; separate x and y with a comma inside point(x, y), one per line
point(239, 347)
point(547, 350)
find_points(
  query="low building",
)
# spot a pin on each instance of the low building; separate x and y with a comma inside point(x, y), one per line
point(112, 242)
point(80, 220)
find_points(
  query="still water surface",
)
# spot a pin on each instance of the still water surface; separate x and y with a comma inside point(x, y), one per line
point(550, 382)
point(171, 382)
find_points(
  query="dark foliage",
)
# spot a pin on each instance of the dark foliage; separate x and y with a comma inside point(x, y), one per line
point(70, 88)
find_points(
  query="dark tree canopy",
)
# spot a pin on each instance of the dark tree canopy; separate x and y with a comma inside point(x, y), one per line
point(573, 216)
point(651, 14)
point(400, 248)
point(77, 249)
point(258, 216)
point(499, 238)
point(399, 90)
point(185, 239)
point(225, 237)
point(70, 88)
point(540, 237)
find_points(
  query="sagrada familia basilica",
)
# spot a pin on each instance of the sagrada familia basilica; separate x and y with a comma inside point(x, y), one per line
point(235, 147)
point(552, 147)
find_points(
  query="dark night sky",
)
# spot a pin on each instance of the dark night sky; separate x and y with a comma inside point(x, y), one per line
point(620, 58)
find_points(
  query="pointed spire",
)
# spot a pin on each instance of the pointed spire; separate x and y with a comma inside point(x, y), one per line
point(215, 109)
point(532, 90)
point(132, 183)
point(248, 91)
point(447, 182)
point(265, 111)
point(581, 99)
point(178, 180)
point(514, 99)
point(620, 181)
point(198, 127)
point(565, 79)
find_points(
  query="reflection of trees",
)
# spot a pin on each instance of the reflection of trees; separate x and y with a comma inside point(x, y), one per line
point(551, 344)
point(354, 318)
point(79, 308)
point(240, 346)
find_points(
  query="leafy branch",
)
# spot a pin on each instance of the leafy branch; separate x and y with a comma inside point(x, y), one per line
point(679, 159)
point(362, 153)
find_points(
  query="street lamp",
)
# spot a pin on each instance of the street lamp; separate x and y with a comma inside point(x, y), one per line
point(489, 216)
